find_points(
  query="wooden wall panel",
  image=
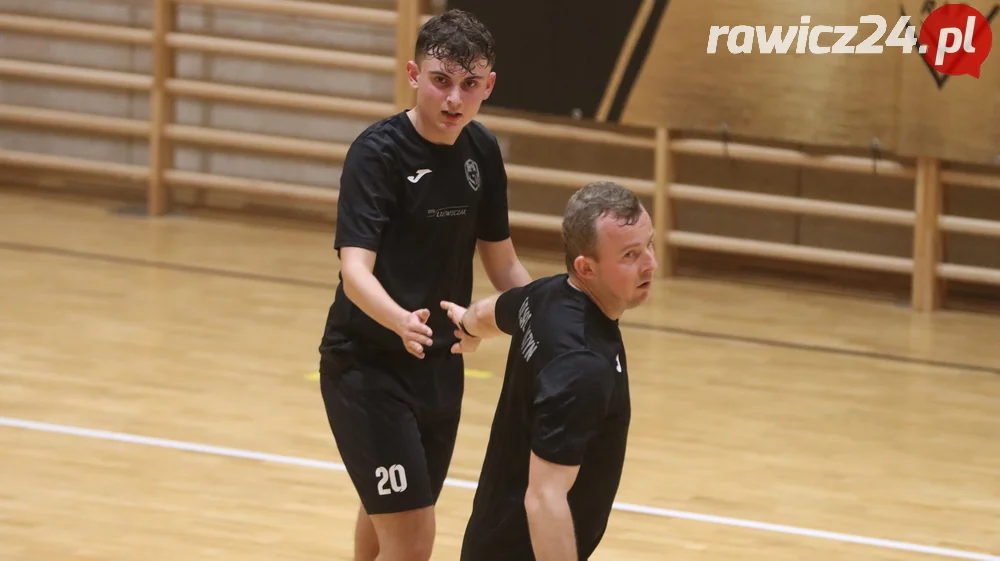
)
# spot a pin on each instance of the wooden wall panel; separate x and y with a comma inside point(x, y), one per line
point(819, 99)
point(958, 120)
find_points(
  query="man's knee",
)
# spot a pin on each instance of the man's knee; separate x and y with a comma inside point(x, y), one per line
point(405, 536)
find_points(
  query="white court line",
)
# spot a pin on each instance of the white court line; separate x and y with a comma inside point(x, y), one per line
point(653, 511)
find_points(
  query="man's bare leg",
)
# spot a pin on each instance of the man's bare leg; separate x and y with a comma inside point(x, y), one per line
point(405, 536)
point(365, 538)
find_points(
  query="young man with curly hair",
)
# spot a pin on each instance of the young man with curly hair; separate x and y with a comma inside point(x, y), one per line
point(421, 192)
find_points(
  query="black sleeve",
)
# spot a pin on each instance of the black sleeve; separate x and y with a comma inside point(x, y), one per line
point(366, 198)
point(493, 223)
point(508, 308)
point(571, 401)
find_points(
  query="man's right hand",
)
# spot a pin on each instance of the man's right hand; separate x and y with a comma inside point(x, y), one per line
point(414, 331)
point(367, 293)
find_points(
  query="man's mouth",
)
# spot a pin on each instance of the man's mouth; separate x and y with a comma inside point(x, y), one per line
point(451, 116)
point(645, 284)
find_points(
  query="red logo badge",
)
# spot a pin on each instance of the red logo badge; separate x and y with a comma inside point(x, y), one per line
point(955, 39)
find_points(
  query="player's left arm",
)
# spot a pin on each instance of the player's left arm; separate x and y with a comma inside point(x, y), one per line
point(550, 521)
point(487, 317)
point(496, 250)
point(571, 401)
point(502, 266)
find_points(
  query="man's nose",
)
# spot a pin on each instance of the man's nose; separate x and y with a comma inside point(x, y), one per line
point(651, 263)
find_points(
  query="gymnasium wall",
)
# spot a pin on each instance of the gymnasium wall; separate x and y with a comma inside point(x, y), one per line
point(645, 63)
point(770, 226)
point(841, 103)
point(242, 71)
point(763, 225)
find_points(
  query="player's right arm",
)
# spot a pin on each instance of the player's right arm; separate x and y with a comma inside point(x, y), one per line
point(365, 202)
point(571, 401)
point(367, 293)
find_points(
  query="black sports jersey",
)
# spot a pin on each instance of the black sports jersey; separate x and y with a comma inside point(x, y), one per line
point(420, 206)
point(565, 397)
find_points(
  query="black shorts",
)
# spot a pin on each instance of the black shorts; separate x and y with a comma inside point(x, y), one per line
point(394, 419)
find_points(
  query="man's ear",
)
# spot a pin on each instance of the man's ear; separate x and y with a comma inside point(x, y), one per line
point(584, 267)
point(491, 81)
point(412, 73)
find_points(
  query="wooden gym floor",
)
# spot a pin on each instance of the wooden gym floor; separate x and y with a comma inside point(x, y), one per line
point(156, 403)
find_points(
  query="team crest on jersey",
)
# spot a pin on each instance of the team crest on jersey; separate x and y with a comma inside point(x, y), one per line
point(472, 174)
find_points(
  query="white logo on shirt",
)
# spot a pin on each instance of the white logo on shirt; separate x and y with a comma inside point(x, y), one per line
point(416, 177)
point(619, 361)
point(472, 174)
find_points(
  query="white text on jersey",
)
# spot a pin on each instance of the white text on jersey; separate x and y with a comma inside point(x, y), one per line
point(528, 343)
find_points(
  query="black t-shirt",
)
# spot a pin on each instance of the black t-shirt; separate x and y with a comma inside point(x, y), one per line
point(565, 397)
point(421, 207)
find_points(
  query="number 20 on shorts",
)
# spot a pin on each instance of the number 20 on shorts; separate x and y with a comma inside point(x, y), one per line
point(394, 477)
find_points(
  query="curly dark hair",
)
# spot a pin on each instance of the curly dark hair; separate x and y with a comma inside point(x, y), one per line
point(456, 37)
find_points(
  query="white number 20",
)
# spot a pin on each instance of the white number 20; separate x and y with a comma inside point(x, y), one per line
point(395, 476)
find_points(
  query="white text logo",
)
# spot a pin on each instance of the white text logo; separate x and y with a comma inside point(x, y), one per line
point(446, 212)
point(779, 39)
point(954, 38)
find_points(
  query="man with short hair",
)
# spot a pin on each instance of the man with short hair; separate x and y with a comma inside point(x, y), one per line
point(557, 445)
point(421, 191)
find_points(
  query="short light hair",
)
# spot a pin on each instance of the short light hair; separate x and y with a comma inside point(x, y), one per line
point(586, 207)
